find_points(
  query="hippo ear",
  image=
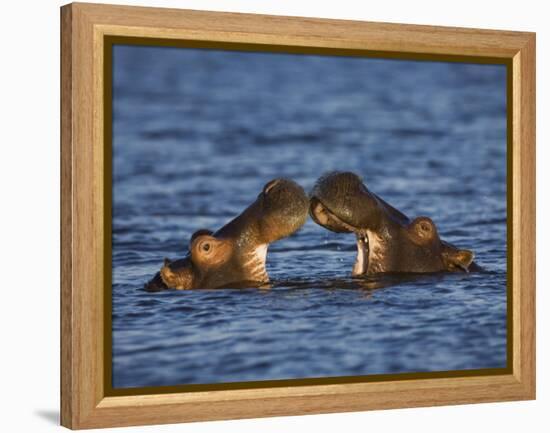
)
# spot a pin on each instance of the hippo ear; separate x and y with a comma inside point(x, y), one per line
point(206, 250)
point(460, 259)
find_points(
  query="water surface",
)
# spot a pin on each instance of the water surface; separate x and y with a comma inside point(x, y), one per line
point(197, 133)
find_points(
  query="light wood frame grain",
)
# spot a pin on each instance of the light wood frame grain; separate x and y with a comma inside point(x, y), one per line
point(84, 402)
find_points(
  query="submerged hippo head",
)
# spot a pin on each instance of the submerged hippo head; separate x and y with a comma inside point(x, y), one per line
point(387, 241)
point(236, 253)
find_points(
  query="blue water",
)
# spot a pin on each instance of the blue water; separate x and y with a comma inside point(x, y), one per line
point(197, 133)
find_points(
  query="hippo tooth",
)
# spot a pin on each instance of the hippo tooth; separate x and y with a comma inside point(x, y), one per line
point(362, 260)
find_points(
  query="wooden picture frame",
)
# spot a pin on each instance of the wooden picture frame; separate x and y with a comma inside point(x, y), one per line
point(86, 30)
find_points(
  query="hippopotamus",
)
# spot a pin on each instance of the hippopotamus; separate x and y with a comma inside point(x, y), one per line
point(387, 240)
point(235, 255)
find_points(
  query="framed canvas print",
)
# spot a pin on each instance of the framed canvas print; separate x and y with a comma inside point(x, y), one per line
point(268, 216)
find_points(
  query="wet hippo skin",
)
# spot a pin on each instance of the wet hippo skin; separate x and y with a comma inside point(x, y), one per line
point(235, 255)
point(387, 240)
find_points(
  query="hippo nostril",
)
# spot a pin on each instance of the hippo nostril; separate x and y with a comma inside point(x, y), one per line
point(270, 185)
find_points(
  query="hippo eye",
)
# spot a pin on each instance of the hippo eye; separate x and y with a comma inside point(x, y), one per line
point(424, 229)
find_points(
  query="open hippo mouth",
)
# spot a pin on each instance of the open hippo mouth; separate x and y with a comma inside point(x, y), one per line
point(326, 218)
point(387, 240)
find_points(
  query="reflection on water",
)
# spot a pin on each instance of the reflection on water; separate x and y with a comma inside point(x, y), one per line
point(196, 134)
